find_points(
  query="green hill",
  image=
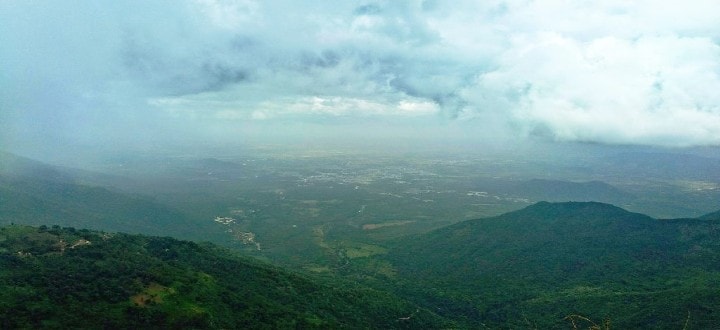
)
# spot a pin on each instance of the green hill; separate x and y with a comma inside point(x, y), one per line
point(34, 193)
point(549, 260)
point(66, 278)
point(528, 268)
point(36, 202)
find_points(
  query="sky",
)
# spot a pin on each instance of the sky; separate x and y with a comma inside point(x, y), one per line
point(603, 72)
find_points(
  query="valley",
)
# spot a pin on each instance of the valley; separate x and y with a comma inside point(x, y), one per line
point(282, 196)
point(416, 164)
point(407, 225)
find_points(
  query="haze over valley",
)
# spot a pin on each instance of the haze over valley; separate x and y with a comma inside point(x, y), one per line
point(398, 164)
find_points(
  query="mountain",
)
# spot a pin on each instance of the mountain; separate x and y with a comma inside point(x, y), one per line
point(664, 165)
point(38, 202)
point(34, 193)
point(16, 167)
point(711, 216)
point(550, 260)
point(562, 191)
point(67, 278)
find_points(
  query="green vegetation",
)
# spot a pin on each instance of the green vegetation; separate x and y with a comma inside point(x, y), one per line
point(42, 202)
point(352, 225)
point(67, 278)
point(549, 260)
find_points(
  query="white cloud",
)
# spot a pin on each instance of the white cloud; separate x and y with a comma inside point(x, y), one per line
point(296, 107)
point(229, 14)
point(609, 90)
point(638, 72)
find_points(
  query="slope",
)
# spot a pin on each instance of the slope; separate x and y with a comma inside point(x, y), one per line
point(66, 278)
point(561, 191)
point(35, 193)
point(38, 202)
point(711, 216)
point(550, 260)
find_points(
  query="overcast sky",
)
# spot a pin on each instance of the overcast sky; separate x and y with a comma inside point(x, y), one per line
point(618, 72)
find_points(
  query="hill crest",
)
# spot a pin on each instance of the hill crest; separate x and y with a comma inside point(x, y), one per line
point(559, 257)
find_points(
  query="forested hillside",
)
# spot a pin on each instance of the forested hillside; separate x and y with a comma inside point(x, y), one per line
point(528, 268)
point(36, 202)
point(67, 278)
point(550, 260)
point(35, 193)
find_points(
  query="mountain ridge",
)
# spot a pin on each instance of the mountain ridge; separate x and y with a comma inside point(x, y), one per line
point(561, 190)
point(35, 193)
point(711, 216)
point(551, 258)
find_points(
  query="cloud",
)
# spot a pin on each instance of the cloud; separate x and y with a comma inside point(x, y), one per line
point(622, 72)
point(608, 89)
